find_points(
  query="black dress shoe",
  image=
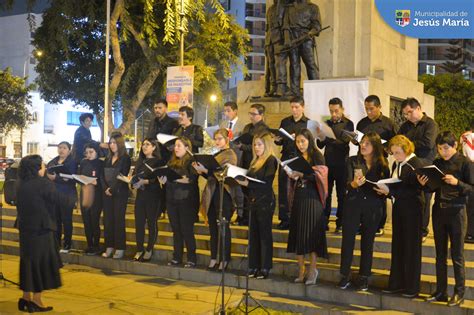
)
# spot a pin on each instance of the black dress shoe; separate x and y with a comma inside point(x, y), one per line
point(252, 273)
point(410, 295)
point(363, 284)
point(392, 291)
point(263, 274)
point(456, 299)
point(344, 283)
point(36, 308)
point(23, 305)
point(437, 297)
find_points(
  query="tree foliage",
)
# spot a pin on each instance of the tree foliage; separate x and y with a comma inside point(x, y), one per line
point(454, 100)
point(14, 101)
point(143, 44)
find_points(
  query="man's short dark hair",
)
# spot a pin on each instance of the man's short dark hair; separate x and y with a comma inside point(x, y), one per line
point(84, 116)
point(297, 99)
point(374, 99)
point(162, 101)
point(232, 105)
point(446, 137)
point(335, 101)
point(259, 107)
point(188, 110)
point(412, 102)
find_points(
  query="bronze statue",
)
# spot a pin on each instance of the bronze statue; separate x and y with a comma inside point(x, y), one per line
point(291, 28)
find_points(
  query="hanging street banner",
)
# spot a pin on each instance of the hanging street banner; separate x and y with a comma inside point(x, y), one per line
point(429, 18)
point(179, 87)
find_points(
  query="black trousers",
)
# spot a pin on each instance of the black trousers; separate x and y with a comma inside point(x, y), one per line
point(261, 238)
point(336, 175)
point(470, 214)
point(147, 208)
point(64, 224)
point(114, 219)
point(426, 213)
point(182, 216)
point(366, 214)
point(405, 270)
point(91, 219)
point(383, 219)
point(213, 217)
point(283, 212)
point(449, 223)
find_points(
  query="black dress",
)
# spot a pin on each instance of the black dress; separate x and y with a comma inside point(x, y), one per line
point(307, 221)
point(407, 213)
point(39, 249)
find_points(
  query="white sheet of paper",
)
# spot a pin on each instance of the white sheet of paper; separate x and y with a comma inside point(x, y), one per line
point(234, 171)
point(283, 131)
point(164, 138)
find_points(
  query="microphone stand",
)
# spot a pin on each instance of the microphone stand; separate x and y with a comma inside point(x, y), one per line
point(246, 295)
point(223, 223)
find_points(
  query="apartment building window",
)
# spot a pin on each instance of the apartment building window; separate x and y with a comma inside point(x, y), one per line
point(225, 4)
point(431, 69)
point(16, 150)
point(32, 148)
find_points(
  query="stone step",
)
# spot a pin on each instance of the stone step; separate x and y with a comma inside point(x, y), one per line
point(382, 244)
point(276, 285)
point(282, 266)
point(381, 260)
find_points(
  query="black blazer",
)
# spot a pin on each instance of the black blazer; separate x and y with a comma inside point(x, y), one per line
point(409, 189)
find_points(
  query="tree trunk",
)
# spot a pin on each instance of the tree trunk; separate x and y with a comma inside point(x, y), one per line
point(119, 67)
point(129, 111)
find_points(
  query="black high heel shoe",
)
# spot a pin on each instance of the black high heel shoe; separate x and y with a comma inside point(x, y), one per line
point(23, 305)
point(36, 308)
point(225, 263)
point(212, 267)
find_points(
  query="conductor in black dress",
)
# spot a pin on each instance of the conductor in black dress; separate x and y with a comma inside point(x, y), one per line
point(40, 262)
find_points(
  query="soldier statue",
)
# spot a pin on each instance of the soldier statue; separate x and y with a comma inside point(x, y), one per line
point(291, 28)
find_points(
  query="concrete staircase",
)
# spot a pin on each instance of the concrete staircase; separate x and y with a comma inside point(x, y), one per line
point(323, 298)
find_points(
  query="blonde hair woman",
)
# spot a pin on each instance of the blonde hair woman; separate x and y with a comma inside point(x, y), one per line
point(262, 204)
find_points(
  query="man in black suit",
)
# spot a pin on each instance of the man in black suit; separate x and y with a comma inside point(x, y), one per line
point(335, 154)
point(422, 131)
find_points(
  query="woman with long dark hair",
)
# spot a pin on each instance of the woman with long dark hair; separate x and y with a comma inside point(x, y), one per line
point(40, 262)
point(182, 203)
point(210, 201)
point(66, 186)
point(262, 205)
point(147, 201)
point(91, 197)
point(407, 216)
point(115, 196)
point(307, 221)
point(363, 207)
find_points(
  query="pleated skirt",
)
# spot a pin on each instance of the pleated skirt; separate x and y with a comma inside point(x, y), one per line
point(39, 262)
point(307, 223)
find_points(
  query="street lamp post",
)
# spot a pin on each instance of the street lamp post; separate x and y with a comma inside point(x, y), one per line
point(106, 92)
